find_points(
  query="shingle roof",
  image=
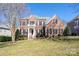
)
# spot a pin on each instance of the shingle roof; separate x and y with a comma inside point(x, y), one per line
point(37, 17)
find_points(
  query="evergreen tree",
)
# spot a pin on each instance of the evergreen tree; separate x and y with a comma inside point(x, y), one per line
point(66, 31)
point(17, 34)
point(43, 31)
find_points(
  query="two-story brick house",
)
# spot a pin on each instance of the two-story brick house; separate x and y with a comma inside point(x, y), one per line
point(55, 26)
point(74, 26)
point(33, 25)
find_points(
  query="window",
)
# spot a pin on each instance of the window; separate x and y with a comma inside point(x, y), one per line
point(47, 30)
point(27, 21)
point(24, 32)
point(36, 31)
point(32, 22)
point(50, 31)
point(75, 23)
point(23, 23)
point(43, 23)
point(78, 23)
point(21, 31)
point(40, 30)
point(20, 22)
point(61, 30)
point(40, 22)
point(51, 26)
point(37, 23)
point(55, 21)
point(54, 31)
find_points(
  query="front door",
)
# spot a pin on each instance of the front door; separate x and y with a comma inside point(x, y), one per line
point(31, 31)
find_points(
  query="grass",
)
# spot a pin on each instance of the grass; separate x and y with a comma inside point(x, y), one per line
point(40, 47)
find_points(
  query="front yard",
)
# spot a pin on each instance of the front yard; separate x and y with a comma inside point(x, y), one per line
point(40, 47)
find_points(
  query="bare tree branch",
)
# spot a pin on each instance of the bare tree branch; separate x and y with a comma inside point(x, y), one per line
point(12, 12)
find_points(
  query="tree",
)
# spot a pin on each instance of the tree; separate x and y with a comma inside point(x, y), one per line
point(17, 34)
point(12, 13)
point(44, 31)
point(66, 31)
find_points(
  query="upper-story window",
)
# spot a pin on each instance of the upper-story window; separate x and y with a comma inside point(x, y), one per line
point(23, 23)
point(32, 22)
point(76, 23)
point(43, 23)
point(40, 22)
point(37, 23)
point(55, 21)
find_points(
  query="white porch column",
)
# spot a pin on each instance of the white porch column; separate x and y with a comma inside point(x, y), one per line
point(42, 23)
point(28, 34)
point(34, 34)
point(38, 22)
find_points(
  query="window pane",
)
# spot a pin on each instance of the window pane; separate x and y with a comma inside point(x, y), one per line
point(32, 22)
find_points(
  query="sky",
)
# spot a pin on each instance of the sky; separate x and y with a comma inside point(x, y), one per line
point(64, 11)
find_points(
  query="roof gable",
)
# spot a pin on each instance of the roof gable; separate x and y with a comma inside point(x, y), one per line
point(55, 17)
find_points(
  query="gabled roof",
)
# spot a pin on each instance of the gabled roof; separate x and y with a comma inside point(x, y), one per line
point(75, 18)
point(54, 17)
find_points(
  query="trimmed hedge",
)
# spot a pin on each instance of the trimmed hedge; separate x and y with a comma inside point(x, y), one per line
point(5, 38)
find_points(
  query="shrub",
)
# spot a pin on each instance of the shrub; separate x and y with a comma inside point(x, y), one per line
point(5, 38)
point(17, 34)
point(73, 34)
point(43, 31)
point(66, 32)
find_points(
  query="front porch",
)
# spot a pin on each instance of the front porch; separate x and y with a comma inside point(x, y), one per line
point(31, 33)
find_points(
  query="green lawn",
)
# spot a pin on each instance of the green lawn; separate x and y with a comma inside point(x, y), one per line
point(40, 47)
